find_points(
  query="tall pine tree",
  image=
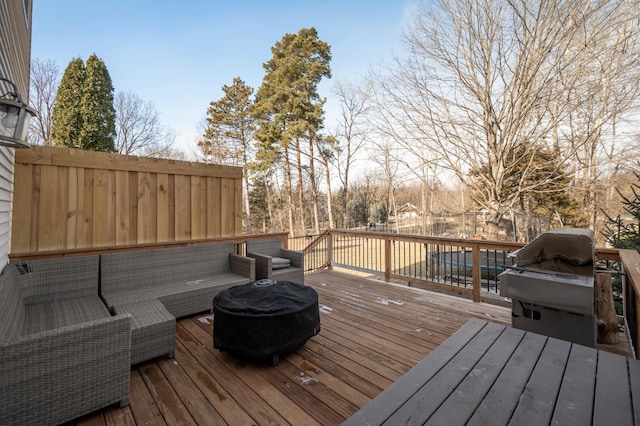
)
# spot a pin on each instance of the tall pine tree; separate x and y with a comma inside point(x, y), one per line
point(290, 112)
point(84, 115)
point(96, 108)
point(66, 117)
point(229, 132)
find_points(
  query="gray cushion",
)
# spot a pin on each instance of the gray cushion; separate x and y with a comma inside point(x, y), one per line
point(280, 262)
point(61, 313)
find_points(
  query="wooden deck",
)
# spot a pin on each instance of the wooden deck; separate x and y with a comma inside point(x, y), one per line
point(489, 374)
point(372, 333)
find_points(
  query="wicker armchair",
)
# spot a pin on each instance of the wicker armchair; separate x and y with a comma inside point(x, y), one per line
point(275, 262)
point(62, 355)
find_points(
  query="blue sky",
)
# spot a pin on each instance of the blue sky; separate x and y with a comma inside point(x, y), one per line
point(178, 55)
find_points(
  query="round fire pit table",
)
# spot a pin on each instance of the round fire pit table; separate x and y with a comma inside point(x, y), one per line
point(263, 320)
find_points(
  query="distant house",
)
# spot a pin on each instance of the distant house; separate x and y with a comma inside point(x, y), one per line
point(15, 59)
point(405, 211)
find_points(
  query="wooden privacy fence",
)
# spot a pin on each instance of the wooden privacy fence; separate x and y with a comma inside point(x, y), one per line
point(69, 199)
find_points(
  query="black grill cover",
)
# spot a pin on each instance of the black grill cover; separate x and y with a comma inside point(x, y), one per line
point(262, 320)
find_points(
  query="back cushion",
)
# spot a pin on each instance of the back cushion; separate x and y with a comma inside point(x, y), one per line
point(265, 246)
point(59, 279)
point(11, 304)
point(148, 268)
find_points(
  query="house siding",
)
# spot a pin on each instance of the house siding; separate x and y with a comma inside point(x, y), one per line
point(15, 58)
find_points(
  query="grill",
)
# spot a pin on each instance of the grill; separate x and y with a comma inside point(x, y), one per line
point(551, 286)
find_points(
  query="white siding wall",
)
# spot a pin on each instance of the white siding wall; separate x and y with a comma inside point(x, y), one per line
point(15, 57)
point(6, 197)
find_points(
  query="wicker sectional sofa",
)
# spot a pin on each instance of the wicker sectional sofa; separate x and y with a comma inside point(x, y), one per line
point(71, 327)
point(62, 354)
point(158, 285)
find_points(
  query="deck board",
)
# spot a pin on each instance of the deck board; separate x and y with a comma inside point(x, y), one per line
point(372, 333)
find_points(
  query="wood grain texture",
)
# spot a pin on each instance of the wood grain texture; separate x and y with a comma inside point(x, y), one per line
point(371, 335)
point(73, 199)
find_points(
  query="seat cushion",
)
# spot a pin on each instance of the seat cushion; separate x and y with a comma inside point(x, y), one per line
point(280, 262)
point(50, 315)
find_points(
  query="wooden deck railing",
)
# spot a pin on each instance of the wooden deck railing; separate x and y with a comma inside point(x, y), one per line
point(464, 266)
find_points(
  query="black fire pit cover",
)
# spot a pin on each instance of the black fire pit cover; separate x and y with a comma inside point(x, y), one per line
point(262, 320)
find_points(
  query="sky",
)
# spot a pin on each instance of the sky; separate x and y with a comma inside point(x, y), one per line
point(178, 55)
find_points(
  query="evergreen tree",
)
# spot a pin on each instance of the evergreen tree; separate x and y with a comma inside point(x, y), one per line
point(67, 120)
point(290, 111)
point(538, 183)
point(626, 234)
point(378, 213)
point(84, 115)
point(230, 128)
point(96, 108)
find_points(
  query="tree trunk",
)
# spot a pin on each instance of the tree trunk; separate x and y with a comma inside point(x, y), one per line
point(329, 194)
point(289, 193)
point(301, 215)
point(606, 311)
point(247, 205)
point(314, 187)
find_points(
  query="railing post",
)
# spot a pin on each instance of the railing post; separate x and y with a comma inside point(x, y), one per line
point(330, 250)
point(387, 259)
point(637, 319)
point(631, 266)
point(476, 273)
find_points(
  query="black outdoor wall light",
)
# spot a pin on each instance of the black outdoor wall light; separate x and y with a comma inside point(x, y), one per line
point(14, 118)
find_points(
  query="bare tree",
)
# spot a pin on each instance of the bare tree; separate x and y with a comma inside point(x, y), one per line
point(386, 156)
point(45, 77)
point(350, 134)
point(486, 84)
point(138, 127)
point(326, 147)
point(608, 63)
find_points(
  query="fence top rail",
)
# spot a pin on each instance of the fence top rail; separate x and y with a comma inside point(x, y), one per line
point(239, 239)
point(67, 157)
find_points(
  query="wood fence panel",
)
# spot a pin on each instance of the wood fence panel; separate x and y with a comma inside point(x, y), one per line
point(183, 208)
point(214, 223)
point(198, 207)
point(226, 198)
point(123, 235)
point(133, 207)
point(171, 209)
point(48, 209)
point(72, 208)
point(153, 214)
point(85, 208)
point(162, 207)
point(144, 207)
point(237, 211)
point(72, 199)
point(102, 226)
point(23, 201)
